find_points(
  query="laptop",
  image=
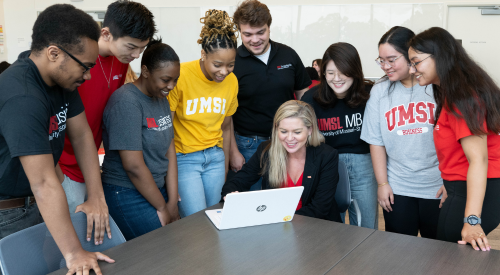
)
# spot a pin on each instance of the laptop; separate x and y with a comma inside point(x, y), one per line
point(256, 208)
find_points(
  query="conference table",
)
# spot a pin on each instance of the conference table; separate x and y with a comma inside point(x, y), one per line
point(305, 245)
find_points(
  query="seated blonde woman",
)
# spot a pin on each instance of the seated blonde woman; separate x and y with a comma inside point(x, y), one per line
point(296, 155)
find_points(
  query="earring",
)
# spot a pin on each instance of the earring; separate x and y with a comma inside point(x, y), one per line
point(202, 59)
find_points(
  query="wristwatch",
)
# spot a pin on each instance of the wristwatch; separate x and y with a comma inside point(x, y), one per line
point(472, 220)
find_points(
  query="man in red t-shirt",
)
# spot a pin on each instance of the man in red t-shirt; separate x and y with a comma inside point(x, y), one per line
point(122, 40)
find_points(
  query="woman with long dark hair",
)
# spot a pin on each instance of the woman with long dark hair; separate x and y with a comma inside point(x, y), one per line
point(466, 135)
point(339, 103)
point(398, 121)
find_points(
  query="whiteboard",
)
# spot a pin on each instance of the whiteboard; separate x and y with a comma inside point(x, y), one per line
point(309, 29)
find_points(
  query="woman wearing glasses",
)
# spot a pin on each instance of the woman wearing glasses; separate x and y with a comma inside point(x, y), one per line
point(339, 103)
point(466, 136)
point(399, 117)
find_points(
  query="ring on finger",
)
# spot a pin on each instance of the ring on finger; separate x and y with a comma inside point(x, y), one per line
point(481, 234)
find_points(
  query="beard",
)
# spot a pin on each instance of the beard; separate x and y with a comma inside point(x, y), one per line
point(60, 77)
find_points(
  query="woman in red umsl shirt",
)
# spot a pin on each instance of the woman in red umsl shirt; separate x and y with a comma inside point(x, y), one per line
point(466, 136)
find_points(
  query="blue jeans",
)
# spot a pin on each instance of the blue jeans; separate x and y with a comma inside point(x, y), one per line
point(363, 189)
point(247, 147)
point(76, 193)
point(201, 176)
point(133, 214)
point(17, 219)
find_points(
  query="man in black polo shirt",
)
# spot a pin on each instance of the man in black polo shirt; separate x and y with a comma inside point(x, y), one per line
point(269, 74)
point(39, 104)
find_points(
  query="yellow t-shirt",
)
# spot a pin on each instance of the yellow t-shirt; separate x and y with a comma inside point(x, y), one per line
point(200, 106)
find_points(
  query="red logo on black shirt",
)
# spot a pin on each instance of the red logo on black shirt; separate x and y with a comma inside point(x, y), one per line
point(151, 123)
point(328, 124)
point(284, 66)
point(54, 126)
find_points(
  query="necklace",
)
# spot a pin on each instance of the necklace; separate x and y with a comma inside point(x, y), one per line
point(109, 81)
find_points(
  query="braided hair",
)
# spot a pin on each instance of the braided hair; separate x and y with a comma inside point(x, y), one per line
point(218, 32)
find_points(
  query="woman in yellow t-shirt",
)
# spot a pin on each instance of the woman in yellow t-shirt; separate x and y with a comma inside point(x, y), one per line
point(202, 104)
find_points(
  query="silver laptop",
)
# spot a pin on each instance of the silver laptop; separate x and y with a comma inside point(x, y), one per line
point(256, 208)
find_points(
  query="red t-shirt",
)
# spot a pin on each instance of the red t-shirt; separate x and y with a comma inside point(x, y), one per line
point(289, 183)
point(452, 161)
point(95, 95)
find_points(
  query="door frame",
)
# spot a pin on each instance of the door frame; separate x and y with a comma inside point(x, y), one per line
point(466, 4)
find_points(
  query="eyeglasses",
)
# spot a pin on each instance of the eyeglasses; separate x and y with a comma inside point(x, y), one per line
point(87, 68)
point(414, 64)
point(333, 74)
point(389, 62)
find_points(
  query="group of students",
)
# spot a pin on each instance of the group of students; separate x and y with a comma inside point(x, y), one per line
point(429, 139)
point(422, 141)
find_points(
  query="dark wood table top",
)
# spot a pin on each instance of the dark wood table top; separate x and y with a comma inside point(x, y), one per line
point(194, 246)
point(389, 253)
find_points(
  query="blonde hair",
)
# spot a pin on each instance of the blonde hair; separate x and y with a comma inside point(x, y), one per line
point(218, 31)
point(275, 164)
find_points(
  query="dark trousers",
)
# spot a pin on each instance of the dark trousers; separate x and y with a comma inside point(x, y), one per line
point(451, 219)
point(409, 215)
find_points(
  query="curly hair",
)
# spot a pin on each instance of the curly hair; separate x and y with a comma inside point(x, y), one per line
point(218, 31)
point(65, 26)
point(157, 53)
point(128, 18)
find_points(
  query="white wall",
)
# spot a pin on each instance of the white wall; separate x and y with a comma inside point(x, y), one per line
point(20, 15)
point(480, 45)
point(309, 26)
point(197, 3)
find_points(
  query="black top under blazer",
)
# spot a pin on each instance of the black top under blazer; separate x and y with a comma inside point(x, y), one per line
point(320, 180)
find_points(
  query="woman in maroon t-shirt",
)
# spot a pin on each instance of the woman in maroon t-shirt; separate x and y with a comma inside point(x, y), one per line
point(465, 134)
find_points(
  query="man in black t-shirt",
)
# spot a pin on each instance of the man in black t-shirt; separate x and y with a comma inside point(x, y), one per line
point(38, 105)
point(269, 74)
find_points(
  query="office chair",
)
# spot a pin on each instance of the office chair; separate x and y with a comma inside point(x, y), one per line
point(33, 250)
point(343, 192)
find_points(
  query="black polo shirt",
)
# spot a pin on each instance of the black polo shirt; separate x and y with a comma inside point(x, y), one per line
point(263, 88)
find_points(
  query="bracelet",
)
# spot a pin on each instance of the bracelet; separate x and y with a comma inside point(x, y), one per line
point(382, 184)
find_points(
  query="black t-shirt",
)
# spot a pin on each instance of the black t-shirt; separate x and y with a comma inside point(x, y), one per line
point(263, 88)
point(32, 122)
point(340, 125)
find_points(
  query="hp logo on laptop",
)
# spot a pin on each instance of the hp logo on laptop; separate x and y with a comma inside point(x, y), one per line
point(261, 208)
